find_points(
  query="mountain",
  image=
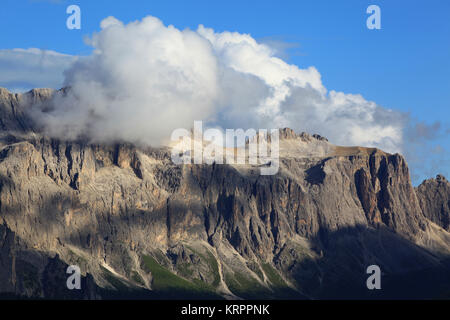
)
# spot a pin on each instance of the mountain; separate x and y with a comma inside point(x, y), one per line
point(434, 199)
point(140, 226)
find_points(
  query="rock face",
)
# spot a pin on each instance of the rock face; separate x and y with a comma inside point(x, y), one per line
point(138, 225)
point(434, 198)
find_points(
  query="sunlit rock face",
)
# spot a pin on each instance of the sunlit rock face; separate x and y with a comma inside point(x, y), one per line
point(139, 225)
point(434, 198)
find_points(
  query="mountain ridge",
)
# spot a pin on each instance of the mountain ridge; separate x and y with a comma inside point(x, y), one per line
point(140, 226)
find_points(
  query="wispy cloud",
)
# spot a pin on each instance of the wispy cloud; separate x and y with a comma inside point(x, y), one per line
point(283, 47)
point(425, 151)
point(421, 131)
point(24, 69)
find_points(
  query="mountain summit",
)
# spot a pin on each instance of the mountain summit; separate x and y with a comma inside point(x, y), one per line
point(137, 225)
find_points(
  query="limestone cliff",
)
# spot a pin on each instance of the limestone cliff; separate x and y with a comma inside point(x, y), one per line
point(140, 226)
point(434, 198)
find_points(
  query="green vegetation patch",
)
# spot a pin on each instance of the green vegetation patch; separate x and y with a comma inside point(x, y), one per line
point(214, 266)
point(280, 288)
point(113, 280)
point(172, 285)
point(274, 277)
point(252, 265)
point(246, 287)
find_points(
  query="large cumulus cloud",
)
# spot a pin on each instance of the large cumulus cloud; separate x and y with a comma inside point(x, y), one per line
point(145, 79)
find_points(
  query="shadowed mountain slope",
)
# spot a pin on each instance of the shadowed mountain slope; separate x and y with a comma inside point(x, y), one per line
point(139, 226)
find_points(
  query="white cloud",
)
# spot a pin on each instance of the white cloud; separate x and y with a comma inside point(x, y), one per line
point(25, 69)
point(145, 79)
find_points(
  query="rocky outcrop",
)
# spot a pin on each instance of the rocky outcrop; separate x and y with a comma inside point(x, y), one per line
point(434, 199)
point(137, 224)
point(13, 108)
point(27, 272)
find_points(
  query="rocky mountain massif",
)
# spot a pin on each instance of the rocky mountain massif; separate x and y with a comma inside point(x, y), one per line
point(139, 226)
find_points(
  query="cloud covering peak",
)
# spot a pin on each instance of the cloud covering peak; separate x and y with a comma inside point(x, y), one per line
point(145, 79)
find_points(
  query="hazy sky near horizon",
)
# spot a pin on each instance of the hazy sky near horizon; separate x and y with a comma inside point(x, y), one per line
point(405, 66)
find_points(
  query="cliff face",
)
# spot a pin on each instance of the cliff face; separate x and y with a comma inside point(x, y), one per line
point(139, 225)
point(434, 198)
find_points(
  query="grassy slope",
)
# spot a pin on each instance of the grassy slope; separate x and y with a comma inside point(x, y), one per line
point(173, 286)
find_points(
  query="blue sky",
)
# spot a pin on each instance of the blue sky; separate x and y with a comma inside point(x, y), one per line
point(404, 66)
